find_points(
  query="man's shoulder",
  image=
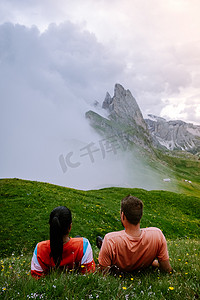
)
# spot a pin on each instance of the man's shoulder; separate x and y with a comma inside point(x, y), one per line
point(153, 229)
point(115, 234)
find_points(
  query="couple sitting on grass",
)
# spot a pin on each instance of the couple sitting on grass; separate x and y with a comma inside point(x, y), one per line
point(129, 250)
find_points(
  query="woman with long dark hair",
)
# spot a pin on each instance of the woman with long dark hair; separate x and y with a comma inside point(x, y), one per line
point(61, 251)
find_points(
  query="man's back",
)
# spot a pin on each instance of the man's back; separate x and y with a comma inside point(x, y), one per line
point(131, 253)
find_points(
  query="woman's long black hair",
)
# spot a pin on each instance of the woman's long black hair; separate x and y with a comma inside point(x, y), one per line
point(59, 221)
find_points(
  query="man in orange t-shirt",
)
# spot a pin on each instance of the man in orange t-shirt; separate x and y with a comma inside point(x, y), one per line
point(134, 248)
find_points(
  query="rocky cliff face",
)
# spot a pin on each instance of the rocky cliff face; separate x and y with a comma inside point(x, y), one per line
point(125, 121)
point(174, 135)
point(123, 107)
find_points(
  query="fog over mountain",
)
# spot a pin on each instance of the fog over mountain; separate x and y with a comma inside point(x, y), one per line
point(43, 107)
point(50, 78)
point(150, 46)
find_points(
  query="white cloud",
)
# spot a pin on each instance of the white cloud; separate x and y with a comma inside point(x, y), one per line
point(48, 82)
point(63, 55)
point(188, 107)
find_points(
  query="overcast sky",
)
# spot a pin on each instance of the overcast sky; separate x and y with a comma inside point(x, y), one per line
point(58, 56)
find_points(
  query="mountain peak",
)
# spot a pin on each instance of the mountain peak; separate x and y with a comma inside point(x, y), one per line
point(107, 101)
point(125, 118)
point(125, 115)
point(155, 118)
point(123, 107)
point(174, 134)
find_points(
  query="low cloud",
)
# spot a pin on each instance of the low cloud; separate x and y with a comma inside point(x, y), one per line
point(150, 47)
point(48, 82)
point(50, 79)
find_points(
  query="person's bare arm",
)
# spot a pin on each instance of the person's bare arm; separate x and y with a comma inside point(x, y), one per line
point(110, 269)
point(155, 263)
point(103, 269)
point(165, 266)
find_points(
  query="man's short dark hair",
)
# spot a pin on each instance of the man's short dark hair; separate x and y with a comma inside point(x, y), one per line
point(132, 207)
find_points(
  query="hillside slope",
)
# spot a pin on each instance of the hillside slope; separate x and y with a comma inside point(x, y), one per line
point(25, 207)
point(124, 116)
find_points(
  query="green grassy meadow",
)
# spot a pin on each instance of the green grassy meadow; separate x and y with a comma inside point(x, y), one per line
point(182, 167)
point(25, 208)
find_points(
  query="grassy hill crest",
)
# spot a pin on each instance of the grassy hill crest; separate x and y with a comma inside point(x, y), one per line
point(25, 207)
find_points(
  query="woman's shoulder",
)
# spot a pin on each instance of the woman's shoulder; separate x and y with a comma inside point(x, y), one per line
point(44, 246)
point(78, 242)
point(44, 243)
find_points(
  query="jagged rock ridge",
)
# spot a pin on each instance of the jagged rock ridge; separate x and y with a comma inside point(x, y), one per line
point(175, 135)
point(125, 119)
point(124, 107)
